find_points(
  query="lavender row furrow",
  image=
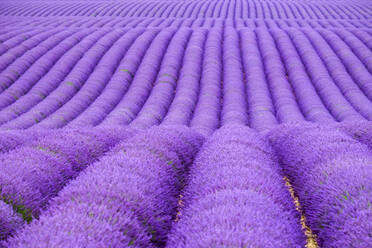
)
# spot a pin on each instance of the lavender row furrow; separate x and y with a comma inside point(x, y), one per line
point(357, 46)
point(360, 131)
point(364, 36)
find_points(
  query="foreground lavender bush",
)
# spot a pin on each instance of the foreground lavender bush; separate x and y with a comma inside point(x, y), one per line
point(236, 196)
point(331, 173)
point(127, 199)
point(34, 173)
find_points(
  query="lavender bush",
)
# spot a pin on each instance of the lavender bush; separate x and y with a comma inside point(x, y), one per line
point(236, 196)
point(331, 174)
point(128, 198)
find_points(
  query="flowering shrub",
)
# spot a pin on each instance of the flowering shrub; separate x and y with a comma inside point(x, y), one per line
point(236, 196)
point(331, 173)
point(128, 197)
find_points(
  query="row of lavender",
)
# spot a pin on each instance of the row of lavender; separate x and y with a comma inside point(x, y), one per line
point(236, 195)
point(203, 78)
point(36, 165)
point(149, 191)
point(193, 9)
point(112, 22)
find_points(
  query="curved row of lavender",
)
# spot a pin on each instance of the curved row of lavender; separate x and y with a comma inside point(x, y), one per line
point(143, 77)
point(193, 9)
point(33, 173)
point(126, 199)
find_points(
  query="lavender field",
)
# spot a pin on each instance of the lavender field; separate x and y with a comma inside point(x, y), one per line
point(186, 123)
